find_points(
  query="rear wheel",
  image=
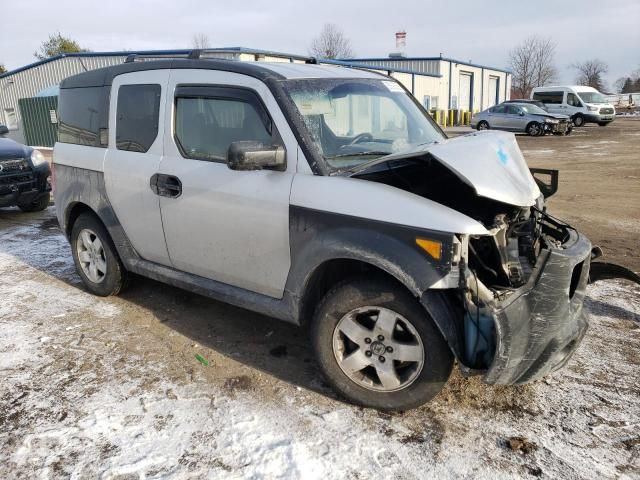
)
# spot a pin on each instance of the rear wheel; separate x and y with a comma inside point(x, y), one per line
point(483, 125)
point(534, 129)
point(578, 120)
point(378, 347)
point(36, 205)
point(95, 257)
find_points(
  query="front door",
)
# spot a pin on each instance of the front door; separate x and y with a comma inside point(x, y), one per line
point(222, 224)
point(134, 154)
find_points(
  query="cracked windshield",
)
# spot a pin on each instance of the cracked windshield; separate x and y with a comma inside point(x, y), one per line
point(355, 121)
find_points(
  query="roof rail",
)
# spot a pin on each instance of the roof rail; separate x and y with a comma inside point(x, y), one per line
point(199, 53)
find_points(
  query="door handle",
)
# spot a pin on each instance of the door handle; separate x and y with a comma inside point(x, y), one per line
point(166, 185)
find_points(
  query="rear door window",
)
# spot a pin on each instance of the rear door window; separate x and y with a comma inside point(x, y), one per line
point(82, 116)
point(137, 117)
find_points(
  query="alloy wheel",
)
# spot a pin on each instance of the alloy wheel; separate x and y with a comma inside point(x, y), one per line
point(378, 349)
point(91, 255)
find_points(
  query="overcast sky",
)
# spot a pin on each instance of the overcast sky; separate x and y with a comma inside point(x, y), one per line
point(481, 31)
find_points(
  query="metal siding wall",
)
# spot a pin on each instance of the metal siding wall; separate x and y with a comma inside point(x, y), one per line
point(36, 120)
point(28, 83)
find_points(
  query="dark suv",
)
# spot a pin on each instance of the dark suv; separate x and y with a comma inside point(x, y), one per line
point(24, 176)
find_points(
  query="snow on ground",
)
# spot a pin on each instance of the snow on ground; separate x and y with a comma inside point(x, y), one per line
point(110, 388)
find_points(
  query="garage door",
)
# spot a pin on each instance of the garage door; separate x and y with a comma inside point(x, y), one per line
point(494, 91)
point(464, 102)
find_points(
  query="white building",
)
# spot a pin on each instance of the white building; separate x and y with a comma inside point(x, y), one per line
point(438, 83)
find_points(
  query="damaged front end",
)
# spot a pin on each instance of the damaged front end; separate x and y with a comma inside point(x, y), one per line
point(518, 291)
point(524, 318)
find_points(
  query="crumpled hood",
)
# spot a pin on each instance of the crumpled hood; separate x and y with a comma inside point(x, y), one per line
point(490, 161)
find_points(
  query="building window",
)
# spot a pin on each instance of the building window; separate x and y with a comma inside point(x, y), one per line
point(137, 117)
point(10, 119)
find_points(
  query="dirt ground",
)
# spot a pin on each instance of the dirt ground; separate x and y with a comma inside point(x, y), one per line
point(110, 388)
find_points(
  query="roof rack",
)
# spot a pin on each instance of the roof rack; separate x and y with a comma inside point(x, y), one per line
point(202, 53)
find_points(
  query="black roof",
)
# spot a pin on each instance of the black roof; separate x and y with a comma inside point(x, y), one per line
point(104, 76)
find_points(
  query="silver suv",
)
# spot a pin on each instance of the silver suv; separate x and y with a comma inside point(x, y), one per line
point(326, 197)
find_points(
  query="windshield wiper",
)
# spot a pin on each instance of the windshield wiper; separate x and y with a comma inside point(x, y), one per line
point(357, 154)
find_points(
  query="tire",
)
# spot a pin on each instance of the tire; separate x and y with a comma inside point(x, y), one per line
point(37, 205)
point(535, 129)
point(110, 275)
point(578, 120)
point(603, 124)
point(362, 299)
point(483, 125)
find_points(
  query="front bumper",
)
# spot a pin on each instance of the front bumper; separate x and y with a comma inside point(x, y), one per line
point(541, 324)
point(597, 117)
point(560, 128)
point(24, 186)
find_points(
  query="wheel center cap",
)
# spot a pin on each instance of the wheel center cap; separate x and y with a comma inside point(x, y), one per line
point(378, 348)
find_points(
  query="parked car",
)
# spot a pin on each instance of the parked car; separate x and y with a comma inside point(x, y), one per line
point(582, 104)
point(521, 117)
point(326, 197)
point(24, 176)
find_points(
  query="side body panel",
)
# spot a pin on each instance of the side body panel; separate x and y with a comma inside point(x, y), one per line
point(127, 175)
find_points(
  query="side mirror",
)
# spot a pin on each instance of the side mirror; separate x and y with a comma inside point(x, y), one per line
point(250, 155)
point(3, 130)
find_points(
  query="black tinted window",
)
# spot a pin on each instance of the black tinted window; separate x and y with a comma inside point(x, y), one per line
point(137, 117)
point(83, 116)
point(549, 97)
point(205, 127)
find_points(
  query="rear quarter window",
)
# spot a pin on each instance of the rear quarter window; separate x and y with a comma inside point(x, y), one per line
point(83, 116)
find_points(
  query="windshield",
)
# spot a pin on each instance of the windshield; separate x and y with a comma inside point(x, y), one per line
point(592, 97)
point(533, 109)
point(353, 121)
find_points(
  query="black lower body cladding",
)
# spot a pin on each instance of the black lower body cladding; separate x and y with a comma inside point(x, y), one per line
point(541, 324)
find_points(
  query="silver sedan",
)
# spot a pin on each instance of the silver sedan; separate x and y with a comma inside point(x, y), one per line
point(521, 117)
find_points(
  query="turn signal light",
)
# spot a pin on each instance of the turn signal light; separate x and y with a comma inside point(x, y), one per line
point(432, 247)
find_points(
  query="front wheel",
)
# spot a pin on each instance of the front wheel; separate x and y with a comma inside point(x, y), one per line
point(535, 129)
point(378, 347)
point(95, 257)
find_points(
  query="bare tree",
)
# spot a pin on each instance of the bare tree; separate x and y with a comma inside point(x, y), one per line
point(331, 43)
point(532, 65)
point(200, 40)
point(590, 73)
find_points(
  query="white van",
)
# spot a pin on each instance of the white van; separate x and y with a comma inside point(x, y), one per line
point(582, 104)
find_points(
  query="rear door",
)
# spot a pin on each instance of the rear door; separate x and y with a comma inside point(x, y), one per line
point(222, 224)
point(134, 154)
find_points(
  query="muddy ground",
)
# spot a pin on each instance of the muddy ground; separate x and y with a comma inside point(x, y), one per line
point(111, 388)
